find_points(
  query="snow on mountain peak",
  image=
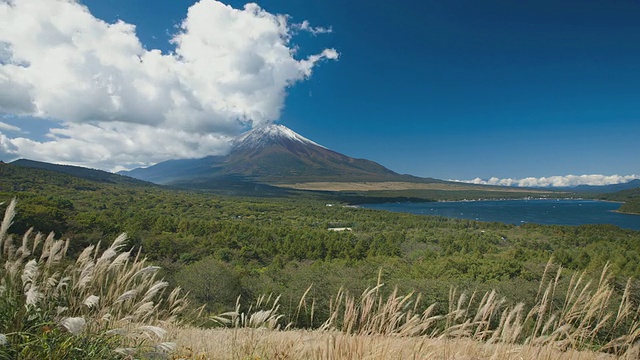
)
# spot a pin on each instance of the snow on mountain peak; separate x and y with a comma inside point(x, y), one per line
point(263, 135)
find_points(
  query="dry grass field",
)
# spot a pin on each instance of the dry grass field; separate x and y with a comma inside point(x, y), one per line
point(231, 344)
point(590, 320)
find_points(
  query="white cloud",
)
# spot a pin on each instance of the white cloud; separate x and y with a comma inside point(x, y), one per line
point(118, 145)
point(8, 127)
point(121, 104)
point(315, 30)
point(556, 181)
point(8, 151)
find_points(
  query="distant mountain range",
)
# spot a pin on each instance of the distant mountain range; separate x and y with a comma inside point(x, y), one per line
point(603, 189)
point(270, 155)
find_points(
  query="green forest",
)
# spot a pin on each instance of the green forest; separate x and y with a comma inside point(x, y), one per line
point(221, 247)
point(630, 198)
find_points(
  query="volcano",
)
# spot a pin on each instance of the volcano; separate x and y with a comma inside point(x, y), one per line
point(272, 154)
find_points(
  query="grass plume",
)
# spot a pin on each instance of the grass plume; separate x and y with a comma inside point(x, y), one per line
point(102, 304)
point(587, 319)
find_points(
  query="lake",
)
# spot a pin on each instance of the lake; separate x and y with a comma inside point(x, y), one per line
point(549, 212)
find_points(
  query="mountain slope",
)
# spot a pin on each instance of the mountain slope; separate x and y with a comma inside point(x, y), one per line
point(80, 172)
point(274, 155)
point(175, 170)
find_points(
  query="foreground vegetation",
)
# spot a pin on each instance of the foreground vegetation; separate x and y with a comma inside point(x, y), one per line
point(104, 304)
point(224, 344)
point(589, 320)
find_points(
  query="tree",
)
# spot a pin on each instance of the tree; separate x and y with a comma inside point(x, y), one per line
point(211, 282)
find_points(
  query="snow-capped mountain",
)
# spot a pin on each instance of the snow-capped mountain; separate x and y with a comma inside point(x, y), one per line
point(264, 136)
point(273, 154)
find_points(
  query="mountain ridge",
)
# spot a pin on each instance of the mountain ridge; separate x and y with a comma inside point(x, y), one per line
point(612, 188)
point(80, 172)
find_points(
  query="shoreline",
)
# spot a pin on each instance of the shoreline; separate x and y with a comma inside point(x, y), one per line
point(531, 199)
point(484, 199)
point(625, 212)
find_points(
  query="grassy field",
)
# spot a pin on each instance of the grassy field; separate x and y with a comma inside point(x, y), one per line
point(591, 321)
point(229, 344)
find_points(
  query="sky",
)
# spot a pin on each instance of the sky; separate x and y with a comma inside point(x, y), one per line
point(505, 92)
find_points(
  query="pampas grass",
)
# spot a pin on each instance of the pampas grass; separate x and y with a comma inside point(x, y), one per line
point(588, 319)
point(230, 344)
point(104, 303)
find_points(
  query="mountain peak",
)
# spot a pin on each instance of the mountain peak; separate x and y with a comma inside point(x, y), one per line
point(264, 135)
point(272, 154)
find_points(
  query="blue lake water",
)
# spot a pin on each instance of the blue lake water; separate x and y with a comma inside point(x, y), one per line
point(549, 212)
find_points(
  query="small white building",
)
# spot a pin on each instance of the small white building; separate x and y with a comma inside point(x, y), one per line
point(340, 229)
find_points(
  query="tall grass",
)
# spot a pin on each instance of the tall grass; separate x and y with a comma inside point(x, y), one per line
point(591, 315)
point(106, 303)
point(586, 317)
point(248, 343)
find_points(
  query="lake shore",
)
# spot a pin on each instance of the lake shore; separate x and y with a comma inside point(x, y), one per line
point(570, 211)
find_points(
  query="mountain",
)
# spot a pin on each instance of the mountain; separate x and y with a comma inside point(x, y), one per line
point(272, 154)
point(174, 170)
point(603, 189)
point(80, 172)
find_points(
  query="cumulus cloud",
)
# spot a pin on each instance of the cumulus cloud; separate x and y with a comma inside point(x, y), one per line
point(118, 145)
point(556, 181)
point(8, 127)
point(8, 151)
point(119, 103)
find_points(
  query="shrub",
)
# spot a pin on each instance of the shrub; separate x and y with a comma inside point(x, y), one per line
point(210, 282)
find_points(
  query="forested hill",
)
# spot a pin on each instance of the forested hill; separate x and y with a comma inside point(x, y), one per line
point(31, 180)
point(630, 197)
point(80, 172)
point(50, 200)
point(282, 245)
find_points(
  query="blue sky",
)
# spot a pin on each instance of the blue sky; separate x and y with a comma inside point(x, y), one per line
point(444, 89)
